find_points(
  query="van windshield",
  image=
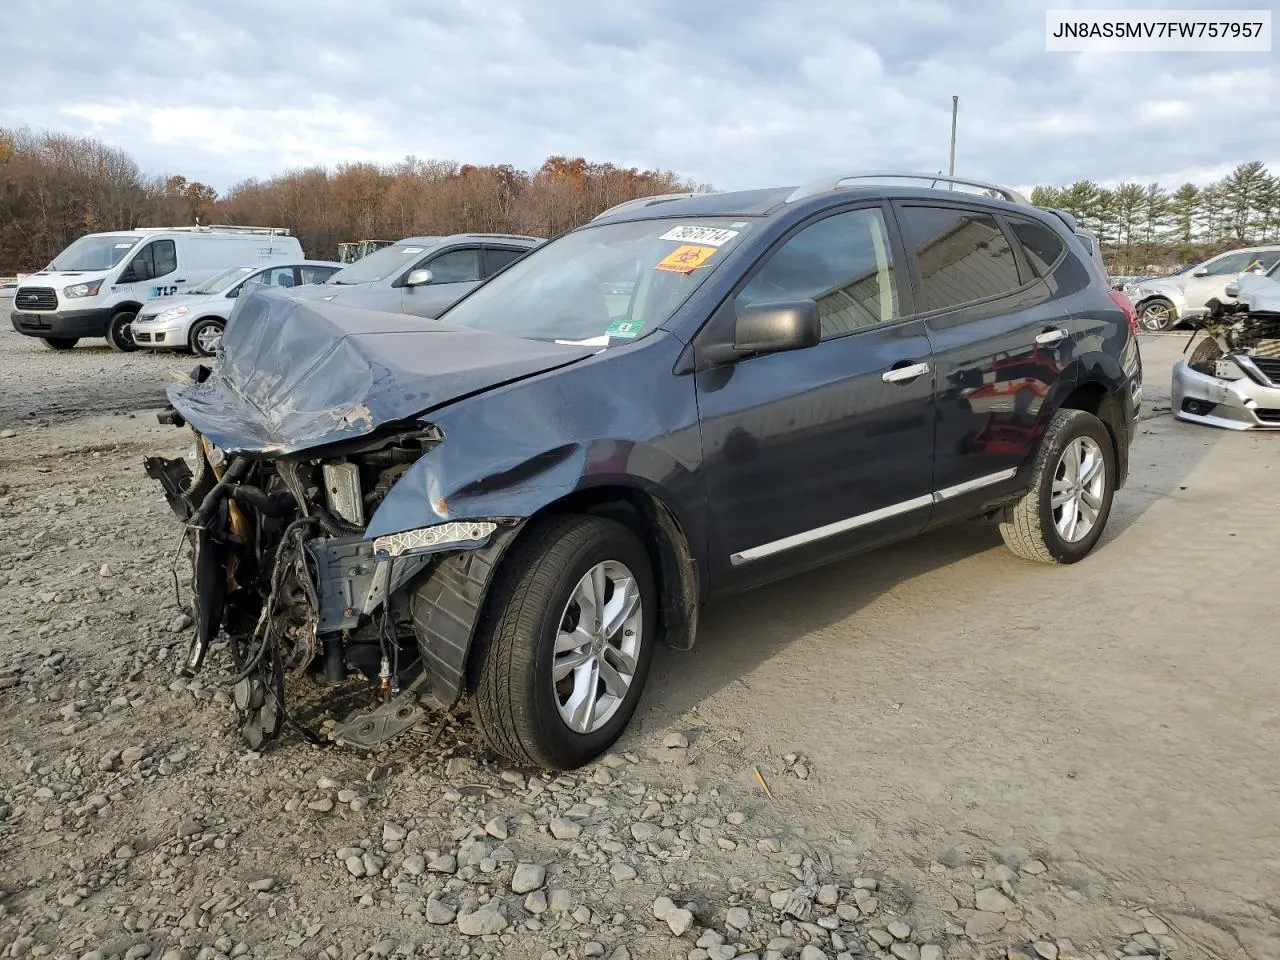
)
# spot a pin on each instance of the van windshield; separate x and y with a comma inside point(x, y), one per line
point(220, 282)
point(101, 252)
point(382, 263)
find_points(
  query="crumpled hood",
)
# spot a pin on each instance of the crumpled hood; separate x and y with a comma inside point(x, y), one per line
point(1261, 293)
point(298, 374)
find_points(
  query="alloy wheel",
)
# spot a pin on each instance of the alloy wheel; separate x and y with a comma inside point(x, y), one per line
point(1079, 485)
point(597, 646)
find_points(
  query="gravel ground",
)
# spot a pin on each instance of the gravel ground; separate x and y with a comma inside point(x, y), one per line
point(966, 756)
point(43, 386)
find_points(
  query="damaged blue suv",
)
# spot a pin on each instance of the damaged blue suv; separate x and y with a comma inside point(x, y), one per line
point(687, 396)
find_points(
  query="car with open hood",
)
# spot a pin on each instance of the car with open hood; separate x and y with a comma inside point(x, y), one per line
point(1232, 377)
point(686, 397)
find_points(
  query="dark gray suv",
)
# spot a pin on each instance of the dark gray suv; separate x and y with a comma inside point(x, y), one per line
point(684, 398)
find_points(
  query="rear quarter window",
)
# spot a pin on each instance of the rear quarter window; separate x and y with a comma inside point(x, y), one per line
point(1041, 244)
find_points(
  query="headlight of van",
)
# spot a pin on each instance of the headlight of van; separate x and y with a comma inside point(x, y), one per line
point(173, 313)
point(82, 290)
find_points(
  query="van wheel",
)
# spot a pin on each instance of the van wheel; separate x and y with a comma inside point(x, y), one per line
point(205, 337)
point(564, 645)
point(1061, 517)
point(120, 332)
point(61, 343)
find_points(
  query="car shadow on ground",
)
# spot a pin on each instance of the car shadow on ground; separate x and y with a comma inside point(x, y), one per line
point(738, 634)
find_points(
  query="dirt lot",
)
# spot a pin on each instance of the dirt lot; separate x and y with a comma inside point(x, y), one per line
point(968, 756)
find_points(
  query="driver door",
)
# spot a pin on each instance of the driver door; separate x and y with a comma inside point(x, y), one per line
point(152, 273)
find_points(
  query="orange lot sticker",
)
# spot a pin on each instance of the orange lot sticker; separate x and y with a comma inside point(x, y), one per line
point(685, 259)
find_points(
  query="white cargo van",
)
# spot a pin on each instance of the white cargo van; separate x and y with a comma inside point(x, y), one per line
point(96, 286)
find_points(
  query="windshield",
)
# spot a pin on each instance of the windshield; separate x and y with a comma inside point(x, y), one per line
point(223, 280)
point(381, 263)
point(94, 253)
point(604, 284)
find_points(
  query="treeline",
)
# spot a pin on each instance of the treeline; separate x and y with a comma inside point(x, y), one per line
point(1151, 225)
point(54, 188)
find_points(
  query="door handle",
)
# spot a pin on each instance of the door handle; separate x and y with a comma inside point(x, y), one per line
point(1051, 336)
point(903, 374)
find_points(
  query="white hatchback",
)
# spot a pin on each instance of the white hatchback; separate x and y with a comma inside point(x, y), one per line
point(196, 321)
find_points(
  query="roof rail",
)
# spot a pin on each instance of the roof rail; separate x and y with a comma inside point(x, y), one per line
point(643, 202)
point(225, 228)
point(824, 184)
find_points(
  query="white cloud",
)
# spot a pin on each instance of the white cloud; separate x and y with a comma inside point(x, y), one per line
point(744, 94)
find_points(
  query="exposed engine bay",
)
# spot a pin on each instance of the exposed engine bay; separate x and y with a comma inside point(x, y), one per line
point(1232, 377)
point(280, 567)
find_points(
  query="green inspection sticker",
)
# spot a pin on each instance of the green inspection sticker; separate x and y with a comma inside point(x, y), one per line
point(625, 328)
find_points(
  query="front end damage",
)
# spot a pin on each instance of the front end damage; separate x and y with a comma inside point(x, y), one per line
point(281, 569)
point(1232, 377)
point(301, 556)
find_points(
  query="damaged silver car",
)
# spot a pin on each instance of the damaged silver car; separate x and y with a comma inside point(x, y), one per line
point(1232, 377)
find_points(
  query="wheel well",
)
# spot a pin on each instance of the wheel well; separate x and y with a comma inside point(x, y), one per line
point(126, 307)
point(1094, 397)
point(675, 571)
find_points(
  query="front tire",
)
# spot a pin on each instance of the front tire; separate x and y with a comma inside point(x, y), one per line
point(61, 343)
point(554, 684)
point(1060, 519)
point(205, 337)
point(1157, 315)
point(120, 331)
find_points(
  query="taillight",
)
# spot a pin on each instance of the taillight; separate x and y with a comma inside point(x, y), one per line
point(1126, 305)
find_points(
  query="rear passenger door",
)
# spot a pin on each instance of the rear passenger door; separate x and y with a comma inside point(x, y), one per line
point(454, 273)
point(1000, 342)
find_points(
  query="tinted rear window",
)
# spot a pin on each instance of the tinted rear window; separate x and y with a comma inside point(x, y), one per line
point(1041, 244)
point(962, 256)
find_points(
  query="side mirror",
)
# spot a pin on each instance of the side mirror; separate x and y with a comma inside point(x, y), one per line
point(1200, 272)
point(417, 278)
point(1232, 289)
point(772, 326)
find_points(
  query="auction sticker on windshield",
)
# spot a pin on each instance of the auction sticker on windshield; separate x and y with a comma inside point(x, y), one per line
point(685, 259)
point(711, 236)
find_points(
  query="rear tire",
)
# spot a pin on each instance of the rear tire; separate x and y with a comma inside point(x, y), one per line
point(1038, 527)
point(120, 331)
point(530, 628)
point(1157, 315)
point(61, 343)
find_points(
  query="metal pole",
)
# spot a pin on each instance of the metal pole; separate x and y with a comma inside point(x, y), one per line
point(955, 106)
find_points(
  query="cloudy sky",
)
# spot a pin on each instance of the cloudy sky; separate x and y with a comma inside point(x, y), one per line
point(736, 93)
